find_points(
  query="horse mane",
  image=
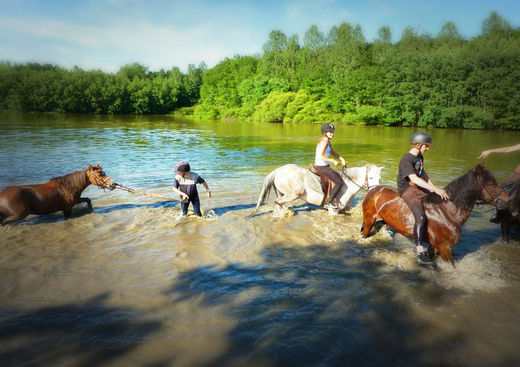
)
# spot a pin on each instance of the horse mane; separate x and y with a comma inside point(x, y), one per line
point(72, 181)
point(463, 191)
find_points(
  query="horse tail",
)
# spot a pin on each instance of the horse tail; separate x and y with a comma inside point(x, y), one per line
point(266, 187)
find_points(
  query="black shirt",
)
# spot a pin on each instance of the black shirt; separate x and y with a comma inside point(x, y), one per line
point(409, 165)
point(188, 185)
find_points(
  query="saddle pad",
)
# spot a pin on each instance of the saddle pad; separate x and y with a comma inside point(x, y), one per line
point(313, 182)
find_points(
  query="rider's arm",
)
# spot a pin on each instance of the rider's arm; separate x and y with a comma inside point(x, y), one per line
point(322, 146)
point(512, 148)
point(333, 152)
point(428, 186)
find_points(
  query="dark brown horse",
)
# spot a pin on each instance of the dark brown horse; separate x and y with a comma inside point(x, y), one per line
point(60, 193)
point(510, 216)
point(445, 218)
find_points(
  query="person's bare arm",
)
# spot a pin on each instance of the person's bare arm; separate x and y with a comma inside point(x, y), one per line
point(512, 148)
point(208, 191)
point(183, 195)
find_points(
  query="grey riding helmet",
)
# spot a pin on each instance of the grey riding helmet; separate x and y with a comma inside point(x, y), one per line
point(325, 128)
point(421, 137)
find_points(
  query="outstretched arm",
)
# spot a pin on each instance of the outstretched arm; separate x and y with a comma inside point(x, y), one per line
point(183, 195)
point(512, 148)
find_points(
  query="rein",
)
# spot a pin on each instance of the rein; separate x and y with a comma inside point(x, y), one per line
point(144, 193)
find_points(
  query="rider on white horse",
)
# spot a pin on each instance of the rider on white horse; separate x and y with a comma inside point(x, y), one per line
point(322, 161)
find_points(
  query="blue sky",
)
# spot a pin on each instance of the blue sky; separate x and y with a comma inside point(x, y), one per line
point(106, 34)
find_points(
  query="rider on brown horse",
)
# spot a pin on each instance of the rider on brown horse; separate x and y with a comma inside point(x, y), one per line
point(413, 184)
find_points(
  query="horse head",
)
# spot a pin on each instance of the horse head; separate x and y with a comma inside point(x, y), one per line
point(98, 177)
point(491, 193)
point(373, 175)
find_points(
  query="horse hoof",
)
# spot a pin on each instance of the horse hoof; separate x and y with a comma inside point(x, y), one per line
point(424, 259)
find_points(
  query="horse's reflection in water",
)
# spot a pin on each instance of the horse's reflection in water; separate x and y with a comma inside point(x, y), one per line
point(58, 194)
point(445, 218)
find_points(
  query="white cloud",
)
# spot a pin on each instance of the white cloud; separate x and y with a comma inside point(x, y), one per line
point(155, 45)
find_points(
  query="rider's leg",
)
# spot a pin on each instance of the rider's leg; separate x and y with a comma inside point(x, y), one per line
point(334, 177)
point(413, 198)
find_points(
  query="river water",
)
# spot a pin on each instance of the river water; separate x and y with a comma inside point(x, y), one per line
point(132, 283)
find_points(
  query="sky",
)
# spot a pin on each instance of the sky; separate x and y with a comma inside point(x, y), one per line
point(161, 34)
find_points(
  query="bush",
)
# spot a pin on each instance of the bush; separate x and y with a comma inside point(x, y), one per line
point(372, 115)
point(273, 107)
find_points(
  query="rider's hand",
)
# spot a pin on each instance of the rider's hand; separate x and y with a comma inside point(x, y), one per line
point(335, 162)
point(484, 154)
point(343, 162)
point(443, 194)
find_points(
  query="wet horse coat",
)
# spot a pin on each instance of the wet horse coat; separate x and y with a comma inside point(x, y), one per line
point(60, 193)
point(445, 218)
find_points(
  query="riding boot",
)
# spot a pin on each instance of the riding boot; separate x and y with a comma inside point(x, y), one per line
point(423, 258)
point(332, 196)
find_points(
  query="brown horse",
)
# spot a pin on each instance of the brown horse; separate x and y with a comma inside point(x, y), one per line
point(60, 193)
point(445, 218)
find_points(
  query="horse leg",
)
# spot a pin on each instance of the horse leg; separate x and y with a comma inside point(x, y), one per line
point(369, 217)
point(446, 253)
point(67, 213)
point(506, 229)
point(12, 218)
point(85, 200)
point(9, 215)
point(286, 199)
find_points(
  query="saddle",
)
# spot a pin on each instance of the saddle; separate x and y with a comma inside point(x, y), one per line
point(326, 184)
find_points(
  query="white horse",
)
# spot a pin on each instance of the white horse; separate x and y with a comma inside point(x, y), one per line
point(292, 182)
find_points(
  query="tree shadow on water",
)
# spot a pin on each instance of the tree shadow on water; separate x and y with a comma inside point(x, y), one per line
point(82, 334)
point(318, 306)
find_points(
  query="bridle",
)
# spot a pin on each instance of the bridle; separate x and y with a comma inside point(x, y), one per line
point(365, 184)
point(101, 182)
point(496, 200)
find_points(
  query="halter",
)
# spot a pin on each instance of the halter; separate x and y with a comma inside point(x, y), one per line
point(497, 200)
point(99, 181)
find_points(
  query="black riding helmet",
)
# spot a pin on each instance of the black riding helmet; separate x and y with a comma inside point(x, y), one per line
point(421, 137)
point(325, 128)
point(182, 166)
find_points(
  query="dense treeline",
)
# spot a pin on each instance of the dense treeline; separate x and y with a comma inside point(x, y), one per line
point(48, 88)
point(443, 81)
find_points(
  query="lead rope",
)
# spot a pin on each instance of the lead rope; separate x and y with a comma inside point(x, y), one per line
point(144, 193)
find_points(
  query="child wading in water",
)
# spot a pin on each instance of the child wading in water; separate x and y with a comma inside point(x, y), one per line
point(185, 185)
